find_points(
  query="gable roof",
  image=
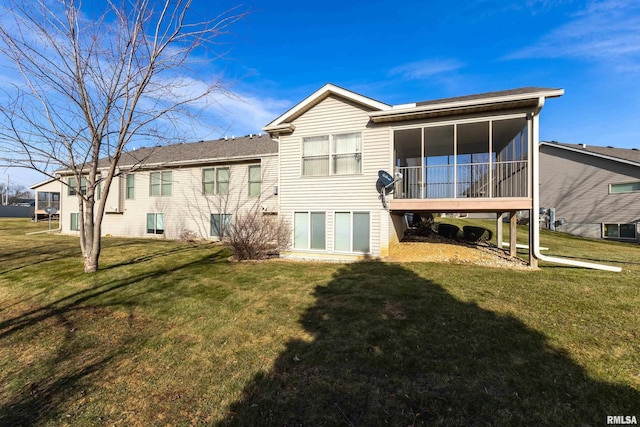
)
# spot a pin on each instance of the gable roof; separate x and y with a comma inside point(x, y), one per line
point(623, 155)
point(248, 147)
point(283, 123)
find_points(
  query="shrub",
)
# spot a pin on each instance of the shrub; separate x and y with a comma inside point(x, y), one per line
point(256, 235)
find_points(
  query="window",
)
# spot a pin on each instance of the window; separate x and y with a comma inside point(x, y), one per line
point(73, 185)
point(160, 183)
point(74, 223)
point(255, 180)
point(338, 154)
point(155, 223)
point(220, 224)
point(98, 190)
point(46, 199)
point(130, 184)
point(215, 181)
point(627, 187)
point(619, 231)
point(309, 230)
point(352, 232)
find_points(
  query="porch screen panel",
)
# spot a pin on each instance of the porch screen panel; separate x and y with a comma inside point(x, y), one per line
point(301, 230)
point(315, 155)
point(439, 162)
point(472, 159)
point(346, 153)
point(510, 172)
point(342, 238)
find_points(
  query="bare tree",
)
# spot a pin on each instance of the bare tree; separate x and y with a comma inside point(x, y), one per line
point(90, 86)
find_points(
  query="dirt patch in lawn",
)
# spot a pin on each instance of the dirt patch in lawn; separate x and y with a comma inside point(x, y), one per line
point(439, 249)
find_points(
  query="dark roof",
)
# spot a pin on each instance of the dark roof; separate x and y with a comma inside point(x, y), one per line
point(200, 152)
point(627, 154)
point(498, 94)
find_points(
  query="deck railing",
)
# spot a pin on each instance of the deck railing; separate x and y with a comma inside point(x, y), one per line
point(473, 180)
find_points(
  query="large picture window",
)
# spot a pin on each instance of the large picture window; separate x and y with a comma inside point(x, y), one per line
point(160, 183)
point(352, 232)
point(337, 154)
point(155, 223)
point(220, 224)
point(619, 231)
point(310, 230)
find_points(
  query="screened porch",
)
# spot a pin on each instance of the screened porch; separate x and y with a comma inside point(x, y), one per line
point(466, 159)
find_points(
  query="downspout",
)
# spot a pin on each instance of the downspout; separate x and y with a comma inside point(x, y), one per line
point(536, 205)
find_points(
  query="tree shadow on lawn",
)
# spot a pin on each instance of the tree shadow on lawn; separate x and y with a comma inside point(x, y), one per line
point(391, 347)
point(71, 348)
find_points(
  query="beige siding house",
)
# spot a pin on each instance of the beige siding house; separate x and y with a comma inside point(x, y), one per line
point(465, 154)
point(165, 191)
point(595, 191)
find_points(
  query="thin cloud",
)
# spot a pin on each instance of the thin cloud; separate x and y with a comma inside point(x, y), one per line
point(425, 69)
point(604, 31)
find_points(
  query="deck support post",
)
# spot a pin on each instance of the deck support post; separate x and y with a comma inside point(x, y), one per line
point(499, 229)
point(513, 229)
point(533, 224)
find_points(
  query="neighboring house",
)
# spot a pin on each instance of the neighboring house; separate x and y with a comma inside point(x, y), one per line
point(170, 190)
point(465, 154)
point(595, 190)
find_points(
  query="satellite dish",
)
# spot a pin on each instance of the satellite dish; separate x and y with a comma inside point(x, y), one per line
point(51, 210)
point(384, 185)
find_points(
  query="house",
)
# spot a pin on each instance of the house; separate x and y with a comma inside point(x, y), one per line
point(595, 191)
point(320, 168)
point(166, 191)
point(466, 154)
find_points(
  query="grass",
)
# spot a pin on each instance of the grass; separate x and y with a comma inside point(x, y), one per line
point(168, 333)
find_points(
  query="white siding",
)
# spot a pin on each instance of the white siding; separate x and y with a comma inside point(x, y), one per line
point(187, 208)
point(337, 192)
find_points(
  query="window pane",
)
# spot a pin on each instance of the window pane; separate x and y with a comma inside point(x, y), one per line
point(318, 230)
point(342, 239)
point(74, 222)
point(346, 153)
point(159, 223)
point(301, 230)
point(151, 223)
point(315, 154)
point(154, 184)
point(130, 186)
point(628, 231)
point(222, 176)
point(166, 183)
point(208, 176)
point(255, 180)
point(625, 188)
point(361, 232)
point(72, 186)
point(315, 166)
point(611, 230)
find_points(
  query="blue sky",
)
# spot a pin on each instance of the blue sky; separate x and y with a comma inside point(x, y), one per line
point(407, 51)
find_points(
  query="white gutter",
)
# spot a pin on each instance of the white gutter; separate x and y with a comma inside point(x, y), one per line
point(535, 227)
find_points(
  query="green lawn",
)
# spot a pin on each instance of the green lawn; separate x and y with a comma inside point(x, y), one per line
point(169, 333)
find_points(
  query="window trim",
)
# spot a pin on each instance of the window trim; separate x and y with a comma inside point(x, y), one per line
point(215, 182)
point(309, 231)
point(624, 183)
point(132, 186)
point(618, 237)
point(331, 154)
point(351, 216)
point(220, 221)
point(249, 182)
point(156, 230)
point(162, 184)
point(77, 216)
